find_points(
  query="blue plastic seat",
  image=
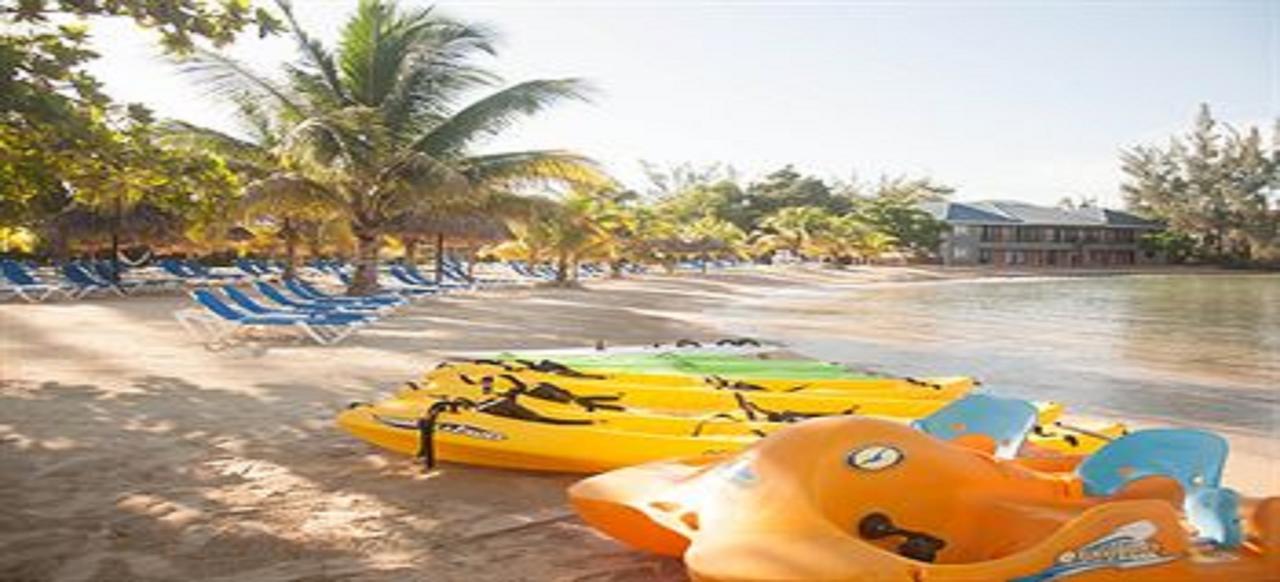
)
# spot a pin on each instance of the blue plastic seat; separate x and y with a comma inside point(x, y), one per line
point(324, 328)
point(1215, 513)
point(1194, 458)
point(1006, 420)
point(271, 292)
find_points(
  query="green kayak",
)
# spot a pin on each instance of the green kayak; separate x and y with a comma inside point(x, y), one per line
point(736, 366)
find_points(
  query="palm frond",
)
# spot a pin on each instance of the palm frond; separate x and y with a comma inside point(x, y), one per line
point(289, 194)
point(240, 155)
point(497, 112)
point(228, 78)
point(342, 141)
point(315, 56)
point(375, 43)
point(514, 170)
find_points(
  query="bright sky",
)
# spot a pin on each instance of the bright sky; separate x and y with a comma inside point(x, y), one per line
point(1028, 101)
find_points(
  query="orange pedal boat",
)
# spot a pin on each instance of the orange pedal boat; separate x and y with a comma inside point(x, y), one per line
point(863, 499)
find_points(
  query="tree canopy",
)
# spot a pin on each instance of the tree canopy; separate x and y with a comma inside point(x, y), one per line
point(1217, 188)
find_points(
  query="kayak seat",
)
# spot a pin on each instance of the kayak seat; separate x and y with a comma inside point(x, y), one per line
point(1005, 420)
point(1194, 458)
point(1215, 513)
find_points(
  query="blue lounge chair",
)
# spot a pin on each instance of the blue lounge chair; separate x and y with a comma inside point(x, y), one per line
point(1006, 420)
point(305, 290)
point(220, 321)
point(86, 283)
point(243, 301)
point(269, 291)
point(105, 271)
point(403, 286)
point(30, 289)
point(410, 276)
point(177, 269)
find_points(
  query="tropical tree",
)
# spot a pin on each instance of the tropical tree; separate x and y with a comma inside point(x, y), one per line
point(561, 231)
point(788, 188)
point(792, 228)
point(893, 207)
point(61, 137)
point(276, 197)
point(874, 244)
point(842, 238)
point(375, 123)
point(1216, 185)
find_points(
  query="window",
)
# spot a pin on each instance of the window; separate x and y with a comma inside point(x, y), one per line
point(984, 257)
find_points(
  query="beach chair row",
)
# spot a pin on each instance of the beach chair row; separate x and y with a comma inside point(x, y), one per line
point(227, 312)
point(77, 280)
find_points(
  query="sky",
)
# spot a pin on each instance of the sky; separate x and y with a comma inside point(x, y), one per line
point(1011, 100)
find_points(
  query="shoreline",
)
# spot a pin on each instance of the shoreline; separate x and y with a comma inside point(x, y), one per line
point(130, 452)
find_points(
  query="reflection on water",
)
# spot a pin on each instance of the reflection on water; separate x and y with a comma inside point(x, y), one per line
point(1194, 349)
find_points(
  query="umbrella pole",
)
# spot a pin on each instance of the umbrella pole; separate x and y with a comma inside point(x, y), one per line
point(439, 257)
point(115, 241)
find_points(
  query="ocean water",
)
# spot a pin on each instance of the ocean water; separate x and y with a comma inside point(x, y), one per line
point(1187, 349)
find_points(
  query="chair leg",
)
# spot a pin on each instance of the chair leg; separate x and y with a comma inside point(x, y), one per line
point(313, 333)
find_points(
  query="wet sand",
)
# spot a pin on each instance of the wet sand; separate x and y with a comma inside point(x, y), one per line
point(129, 452)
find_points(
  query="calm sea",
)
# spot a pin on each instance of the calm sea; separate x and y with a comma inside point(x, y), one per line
point(1201, 350)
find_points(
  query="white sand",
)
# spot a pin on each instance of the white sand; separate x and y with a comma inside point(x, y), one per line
point(128, 452)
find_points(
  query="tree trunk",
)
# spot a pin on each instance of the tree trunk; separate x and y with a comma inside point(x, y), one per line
point(365, 280)
point(290, 235)
point(439, 258)
point(562, 269)
point(115, 241)
point(411, 250)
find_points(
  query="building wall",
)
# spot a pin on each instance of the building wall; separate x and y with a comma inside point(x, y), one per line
point(1043, 246)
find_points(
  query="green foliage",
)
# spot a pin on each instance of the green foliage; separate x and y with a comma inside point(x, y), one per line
point(787, 188)
point(63, 141)
point(803, 214)
point(894, 209)
point(1215, 186)
point(1175, 246)
point(376, 124)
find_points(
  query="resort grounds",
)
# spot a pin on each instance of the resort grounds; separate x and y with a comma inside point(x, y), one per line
point(128, 451)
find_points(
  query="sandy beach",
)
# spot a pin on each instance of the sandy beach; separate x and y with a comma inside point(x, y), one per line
point(130, 452)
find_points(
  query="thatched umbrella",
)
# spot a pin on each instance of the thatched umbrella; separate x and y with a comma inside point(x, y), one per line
point(239, 234)
point(143, 225)
point(469, 229)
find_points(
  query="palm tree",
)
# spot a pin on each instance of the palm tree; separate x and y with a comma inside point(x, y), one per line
point(843, 238)
point(791, 228)
point(275, 195)
point(564, 231)
point(376, 124)
point(874, 245)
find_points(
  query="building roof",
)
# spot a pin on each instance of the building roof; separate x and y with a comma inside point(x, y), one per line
point(1010, 212)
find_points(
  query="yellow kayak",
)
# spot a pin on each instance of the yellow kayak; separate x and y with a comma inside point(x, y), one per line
point(477, 438)
point(687, 400)
point(694, 398)
point(746, 418)
point(941, 388)
point(526, 433)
